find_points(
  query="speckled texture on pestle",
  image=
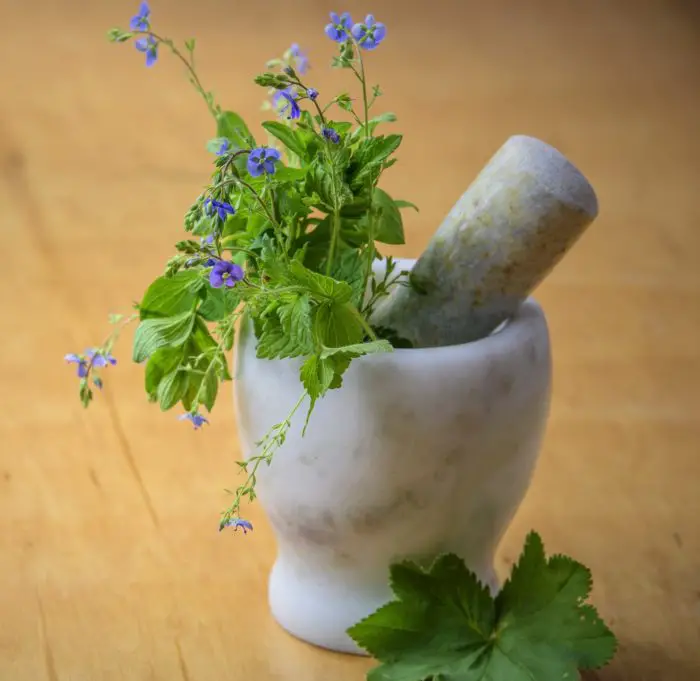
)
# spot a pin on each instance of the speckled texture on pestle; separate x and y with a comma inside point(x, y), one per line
point(516, 221)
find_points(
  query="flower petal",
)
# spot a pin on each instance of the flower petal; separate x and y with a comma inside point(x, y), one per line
point(379, 32)
point(358, 31)
point(72, 357)
point(215, 278)
point(141, 44)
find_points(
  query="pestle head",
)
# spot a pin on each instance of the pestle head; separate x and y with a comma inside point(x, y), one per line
point(519, 217)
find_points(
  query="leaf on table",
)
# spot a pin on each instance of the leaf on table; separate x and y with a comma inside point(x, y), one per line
point(445, 625)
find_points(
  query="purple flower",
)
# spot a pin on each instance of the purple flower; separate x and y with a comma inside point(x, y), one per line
point(223, 148)
point(225, 273)
point(150, 47)
point(80, 361)
point(291, 104)
point(100, 359)
point(210, 262)
point(222, 208)
point(197, 419)
point(339, 28)
point(369, 34)
point(91, 358)
point(312, 93)
point(207, 239)
point(235, 523)
point(331, 135)
point(262, 160)
point(299, 59)
point(140, 21)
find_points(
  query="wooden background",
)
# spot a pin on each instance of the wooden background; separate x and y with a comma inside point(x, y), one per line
point(110, 563)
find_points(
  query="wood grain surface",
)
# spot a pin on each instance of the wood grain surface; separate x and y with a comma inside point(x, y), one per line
point(110, 563)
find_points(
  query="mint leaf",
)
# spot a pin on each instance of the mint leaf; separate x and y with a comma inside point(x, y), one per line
point(320, 285)
point(209, 389)
point(152, 334)
point(317, 375)
point(336, 326)
point(445, 625)
point(286, 331)
point(219, 303)
point(359, 349)
point(389, 225)
point(168, 296)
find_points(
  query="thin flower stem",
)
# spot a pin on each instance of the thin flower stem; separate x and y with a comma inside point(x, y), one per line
point(360, 318)
point(189, 66)
point(272, 441)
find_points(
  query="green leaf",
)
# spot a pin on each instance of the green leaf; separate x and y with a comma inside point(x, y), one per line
point(359, 349)
point(389, 225)
point(168, 296)
point(172, 388)
point(286, 331)
point(316, 376)
point(336, 326)
point(405, 204)
point(319, 285)
point(231, 126)
point(351, 267)
point(296, 320)
point(219, 303)
point(209, 389)
point(445, 625)
point(160, 363)
point(287, 136)
point(155, 333)
point(373, 151)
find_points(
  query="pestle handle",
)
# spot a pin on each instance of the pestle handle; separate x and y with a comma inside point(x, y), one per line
point(516, 221)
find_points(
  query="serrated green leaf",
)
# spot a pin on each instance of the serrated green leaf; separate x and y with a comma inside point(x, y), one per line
point(172, 388)
point(359, 349)
point(168, 296)
point(275, 342)
point(152, 334)
point(296, 319)
point(389, 224)
point(319, 285)
point(336, 326)
point(287, 136)
point(372, 152)
point(445, 625)
point(316, 376)
point(219, 303)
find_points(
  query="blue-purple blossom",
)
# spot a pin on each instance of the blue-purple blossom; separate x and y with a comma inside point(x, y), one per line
point(100, 359)
point(299, 59)
point(197, 419)
point(235, 523)
point(312, 93)
point(331, 135)
point(207, 239)
point(221, 208)
point(369, 34)
point(223, 147)
point(150, 47)
point(210, 262)
point(291, 103)
point(140, 21)
point(91, 358)
point(339, 28)
point(80, 361)
point(225, 273)
point(262, 160)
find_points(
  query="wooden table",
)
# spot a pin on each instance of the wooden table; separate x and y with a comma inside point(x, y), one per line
point(110, 563)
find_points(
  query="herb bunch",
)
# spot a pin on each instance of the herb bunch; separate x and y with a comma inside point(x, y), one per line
point(285, 232)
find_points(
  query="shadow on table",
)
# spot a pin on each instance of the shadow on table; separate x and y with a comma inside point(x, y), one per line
point(637, 662)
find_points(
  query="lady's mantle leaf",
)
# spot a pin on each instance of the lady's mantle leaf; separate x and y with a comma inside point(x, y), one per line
point(446, 625)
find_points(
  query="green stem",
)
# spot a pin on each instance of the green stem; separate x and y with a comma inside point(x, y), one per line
point(360, 318)
point(189, 66)
point(335, 233)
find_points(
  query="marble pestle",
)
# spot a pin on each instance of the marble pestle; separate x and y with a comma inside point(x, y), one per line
point(516, 221)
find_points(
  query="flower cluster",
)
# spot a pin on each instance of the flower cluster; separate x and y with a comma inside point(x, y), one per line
point(368, 34)
point(285, 230)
